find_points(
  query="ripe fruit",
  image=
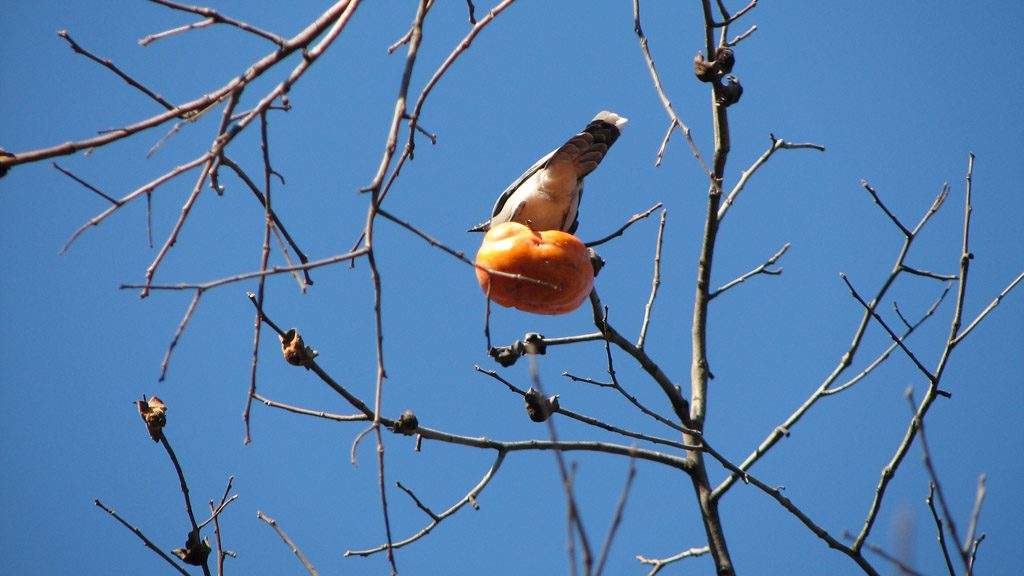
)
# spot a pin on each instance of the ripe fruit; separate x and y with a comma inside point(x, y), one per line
point(558, 260)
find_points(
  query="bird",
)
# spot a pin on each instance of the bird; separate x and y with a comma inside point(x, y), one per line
point(547, 196)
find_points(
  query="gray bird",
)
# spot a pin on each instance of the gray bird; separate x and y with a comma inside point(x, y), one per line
point(547, 196)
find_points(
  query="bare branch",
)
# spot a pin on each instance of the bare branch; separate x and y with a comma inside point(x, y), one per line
point(680, 406)
point(777, 144)
point(616, 519)
point(881, 205)
point(895, 338)
point(659, 564)
point(86, 184)
point(469, 498)
point(655, 282)
point(334, 18)
point(177, 334)
point(973, 527)
point(110, 65)
point(142, 537)
point(762, 269)
point(664, 98)
point(419, 504)
point(287, 540)
point(845, 361)
point(629, 223)
point(592, 421)
point(884, 355)
point(938, 528)
point(315, 413)
point(213, 17)
point(988, 309)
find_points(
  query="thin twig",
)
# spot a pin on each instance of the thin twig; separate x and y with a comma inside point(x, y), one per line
point(226, 161)
point(762, 269)
point(629, 223)
point(901, 566)
point(287, 540)
point(142, 537)
point(219, 18)
point(593, 421)
point(661, 563)
point(894, 219)
point(975, 513)
point(936, 485)
point(655, 282)
point(675, 120)
point(315, 413)
point(469, 498)
point(616, 519)
point(86, 184)
point(988, 309)
point(884, 355)
point(680, 407)
point(933, 389)
point(777, 144)
point(845, 361)
point(419, 504)
point(250, 275)
point(938, 527)
point(177, 334)
point(110, 65)
point(885, 326)
point(460, 48)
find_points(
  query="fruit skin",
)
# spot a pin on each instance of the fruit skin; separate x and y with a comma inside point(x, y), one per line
point(557, 258)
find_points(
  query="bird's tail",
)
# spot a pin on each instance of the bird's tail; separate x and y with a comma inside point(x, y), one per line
point(586, 149)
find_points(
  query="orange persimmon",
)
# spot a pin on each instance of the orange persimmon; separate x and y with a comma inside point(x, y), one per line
point(556, 260)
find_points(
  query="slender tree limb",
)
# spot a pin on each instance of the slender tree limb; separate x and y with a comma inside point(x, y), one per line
point(359, 252)
point(938, 527)
point(619, 232)
point(288, 541)
point(932, 391)
point(86, 184)
point(675, 120)
point(885, 326)
point(655, 282)
point(298, 42)
point(110, 65)
point(661, 563)
point(846, 359)
point(988, 309)
point(178, 333)
point(470, 498)
point(777, 144)
point(214, 17)
point(616, 519)
point(592, 421)
point(884, 355)
point(314, 413)
point(679, 404)
point(149, 544)
point(762, 269)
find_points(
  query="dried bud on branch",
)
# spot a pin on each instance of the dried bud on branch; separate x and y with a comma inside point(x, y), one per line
point(730, 93)
point(596, 261)
point(154, 414)
point(538, 407)
point(533, 343)
point(506, 355)
point(196, 551)
point(406, 424)
point(295, 351)
point(712, 71)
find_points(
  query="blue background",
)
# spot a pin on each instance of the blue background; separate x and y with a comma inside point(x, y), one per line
point(899, 93)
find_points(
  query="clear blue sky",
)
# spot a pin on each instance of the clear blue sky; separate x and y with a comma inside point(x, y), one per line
point(898, 93)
